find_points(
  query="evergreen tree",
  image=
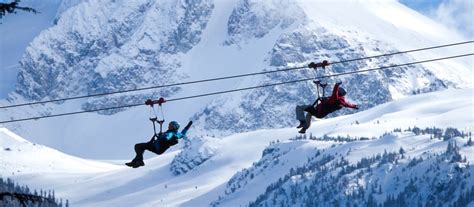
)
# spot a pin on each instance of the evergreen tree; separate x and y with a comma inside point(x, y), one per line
point(17, 195)
point(12, 6)
point(469, 142)
point(451, 133)
point(371, 201)
point(401, 151)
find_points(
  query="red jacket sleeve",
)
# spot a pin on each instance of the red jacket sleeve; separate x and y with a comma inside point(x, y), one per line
point(336, 98)
point(343, 102)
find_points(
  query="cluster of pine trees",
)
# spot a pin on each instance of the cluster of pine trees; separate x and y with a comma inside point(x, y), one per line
point(438, 133)
point(13, 195)
point(330, 180)
point(325, 137)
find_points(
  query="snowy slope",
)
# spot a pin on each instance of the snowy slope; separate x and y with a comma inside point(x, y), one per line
point(311, 164)
point(104, 46)
point(19, 156)
point(238, 169)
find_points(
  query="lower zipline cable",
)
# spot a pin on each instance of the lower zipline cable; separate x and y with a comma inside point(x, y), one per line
point(232, 77)
point(236, 90)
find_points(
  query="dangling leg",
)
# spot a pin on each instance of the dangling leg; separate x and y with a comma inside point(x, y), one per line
point(308, 120)
point(300, 115)
point(139, 150)
point(308, 123)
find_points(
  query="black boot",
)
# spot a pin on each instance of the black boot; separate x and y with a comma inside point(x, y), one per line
point(138, 164)
point(131, 163)
point(302, 124)
point(302, 131)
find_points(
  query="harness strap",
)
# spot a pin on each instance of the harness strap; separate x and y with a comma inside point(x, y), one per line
point(154, 118)
point(323, 86)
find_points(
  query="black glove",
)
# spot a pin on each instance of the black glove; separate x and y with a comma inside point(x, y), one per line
point(189, 125)
point(356, 107)
point(339, 83)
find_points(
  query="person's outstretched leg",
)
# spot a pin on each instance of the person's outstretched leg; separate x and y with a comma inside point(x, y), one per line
point(308, 120)
point(308, 123)
point(300, 115)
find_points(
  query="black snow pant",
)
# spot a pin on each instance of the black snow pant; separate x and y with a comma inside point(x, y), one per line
point(163, 145)
point(140, 149)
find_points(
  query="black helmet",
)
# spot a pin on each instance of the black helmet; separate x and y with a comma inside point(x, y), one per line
point(175, 125)
point(342, 92)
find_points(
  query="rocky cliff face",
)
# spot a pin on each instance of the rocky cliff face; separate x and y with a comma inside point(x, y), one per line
point(105, 46)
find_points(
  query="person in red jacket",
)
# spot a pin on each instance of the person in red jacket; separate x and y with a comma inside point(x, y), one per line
point(327, 105)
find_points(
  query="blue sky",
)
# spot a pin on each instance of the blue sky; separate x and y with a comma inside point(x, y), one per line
point(454, 14)
point(421, 5)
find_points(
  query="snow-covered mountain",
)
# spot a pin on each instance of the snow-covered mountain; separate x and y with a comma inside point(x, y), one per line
point(20, 156)
point(105, 46)
point(365, 158)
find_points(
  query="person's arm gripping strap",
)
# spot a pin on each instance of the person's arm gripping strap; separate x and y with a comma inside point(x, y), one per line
point(335, 94)
point(335, 90)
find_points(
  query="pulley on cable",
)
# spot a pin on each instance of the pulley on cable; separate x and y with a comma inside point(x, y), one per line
point(320, 86)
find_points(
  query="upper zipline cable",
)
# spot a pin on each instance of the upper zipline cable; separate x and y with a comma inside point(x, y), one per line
point(229, 77)
point(240, 89)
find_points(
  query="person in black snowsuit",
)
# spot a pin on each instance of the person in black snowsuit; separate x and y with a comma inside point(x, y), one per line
point(160, 144)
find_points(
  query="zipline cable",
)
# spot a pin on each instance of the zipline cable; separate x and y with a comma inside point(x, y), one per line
point(401, 52)
point(240, 89)
point(324, 76)
point(229, 77)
